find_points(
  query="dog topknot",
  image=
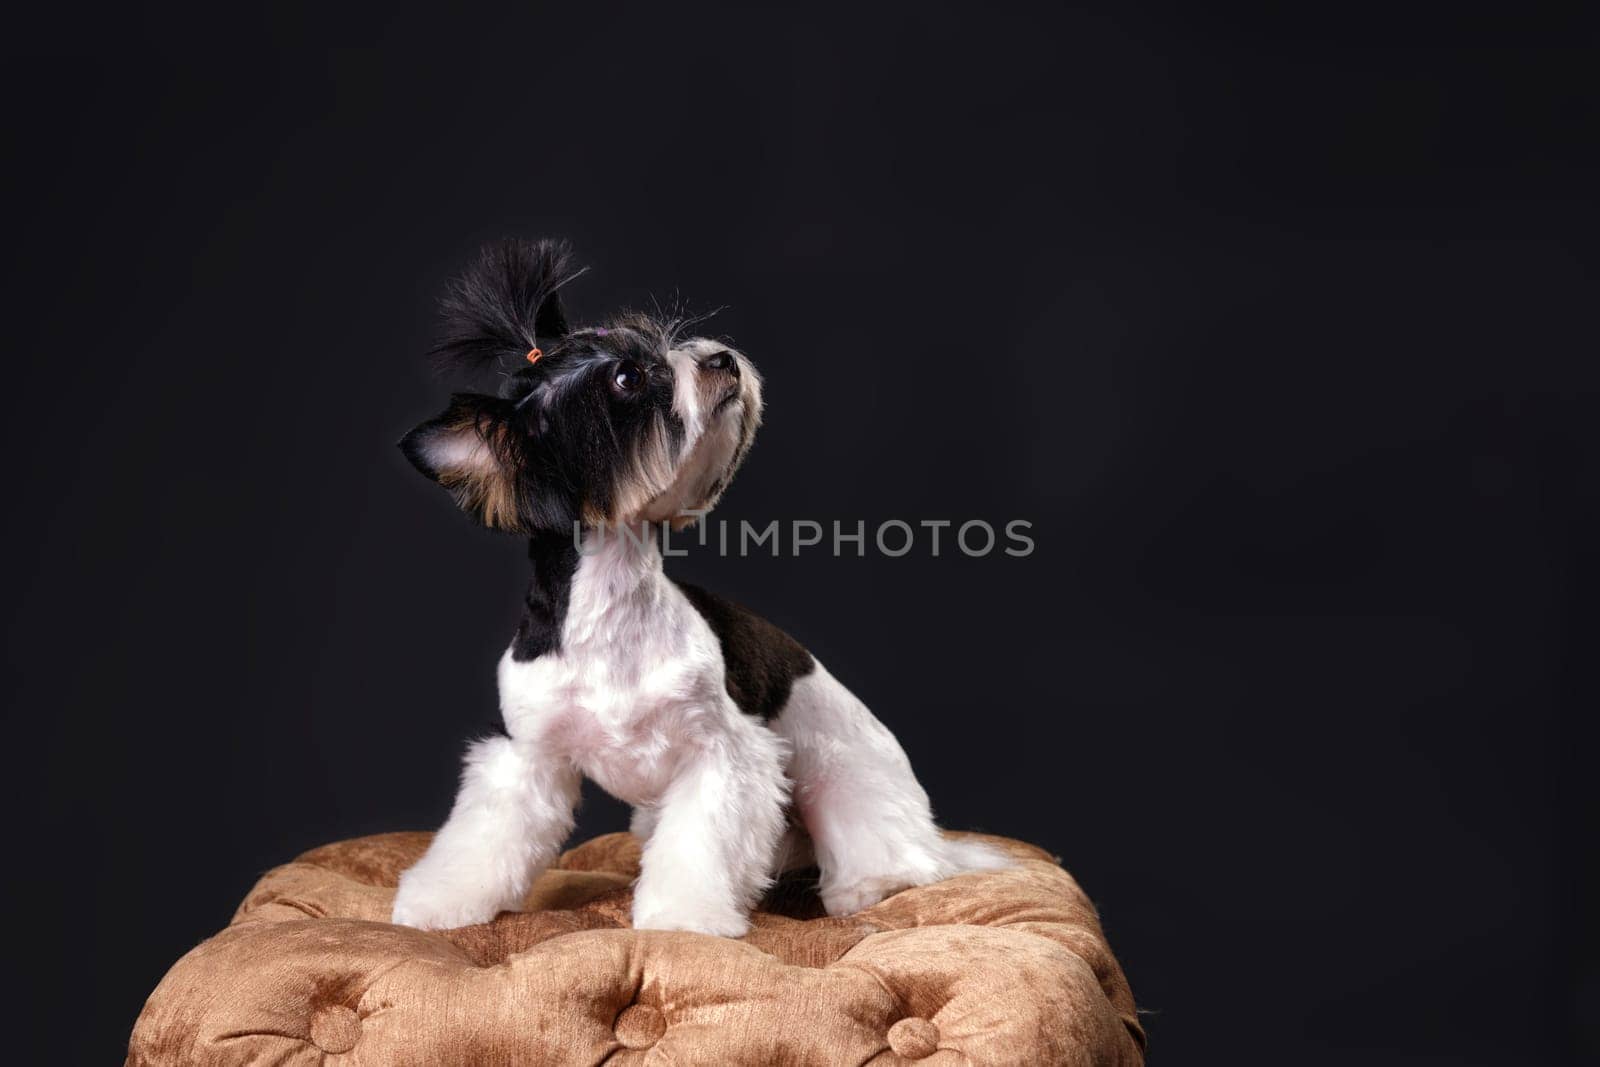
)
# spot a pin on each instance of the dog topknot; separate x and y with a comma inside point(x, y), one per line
point(504, 305)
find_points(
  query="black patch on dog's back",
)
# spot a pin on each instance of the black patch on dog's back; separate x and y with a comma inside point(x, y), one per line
point(762, 661)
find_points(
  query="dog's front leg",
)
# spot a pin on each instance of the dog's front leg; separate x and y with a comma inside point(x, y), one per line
point(511, 815)
point(711, 853)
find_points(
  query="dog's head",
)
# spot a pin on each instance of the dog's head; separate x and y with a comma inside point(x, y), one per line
point(623, 423)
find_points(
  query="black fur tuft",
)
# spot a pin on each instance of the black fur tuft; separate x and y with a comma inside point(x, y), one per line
point(503, 305)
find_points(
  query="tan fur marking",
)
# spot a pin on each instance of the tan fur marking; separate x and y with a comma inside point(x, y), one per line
point(485, 489)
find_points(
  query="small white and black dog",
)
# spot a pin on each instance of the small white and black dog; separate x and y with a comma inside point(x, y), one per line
point(708, 720)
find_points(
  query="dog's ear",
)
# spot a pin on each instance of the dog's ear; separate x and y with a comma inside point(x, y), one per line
point(504, 306)
point(476, 453)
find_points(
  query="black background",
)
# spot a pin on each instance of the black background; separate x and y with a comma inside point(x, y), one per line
point(1276, 326)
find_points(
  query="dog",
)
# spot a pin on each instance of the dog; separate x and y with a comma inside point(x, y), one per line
point(739, 753)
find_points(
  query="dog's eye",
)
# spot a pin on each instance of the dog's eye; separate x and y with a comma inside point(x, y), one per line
point(720, 361)
point(627, 378)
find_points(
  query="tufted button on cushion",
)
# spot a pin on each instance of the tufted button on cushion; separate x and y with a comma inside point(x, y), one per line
point(640, 1026)
point(914, 1038)
point(335, 1029)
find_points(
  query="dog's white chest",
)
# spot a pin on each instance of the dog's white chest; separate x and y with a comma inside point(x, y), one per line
point(632, 688)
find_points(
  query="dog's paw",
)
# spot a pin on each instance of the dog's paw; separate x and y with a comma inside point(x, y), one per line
point(842, 900)
point(718, 923)
point(429, 903)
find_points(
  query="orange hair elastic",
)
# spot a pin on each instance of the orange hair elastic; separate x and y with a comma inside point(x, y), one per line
point(533, 355)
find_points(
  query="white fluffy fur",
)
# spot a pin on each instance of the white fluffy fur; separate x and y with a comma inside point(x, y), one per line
point(868, 818)
point(635, 698)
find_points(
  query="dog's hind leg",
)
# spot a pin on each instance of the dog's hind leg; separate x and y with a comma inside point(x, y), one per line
point(868, 817)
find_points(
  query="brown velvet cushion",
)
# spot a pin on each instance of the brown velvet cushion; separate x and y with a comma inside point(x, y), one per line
point(1007, 967)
